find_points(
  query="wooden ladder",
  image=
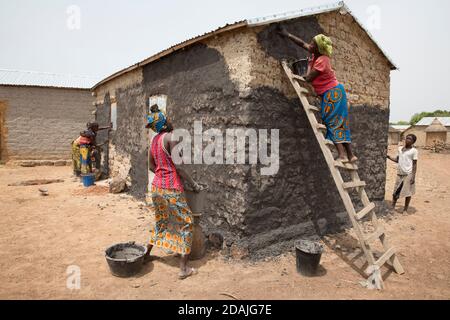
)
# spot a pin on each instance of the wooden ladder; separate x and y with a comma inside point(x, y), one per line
point(389, 256)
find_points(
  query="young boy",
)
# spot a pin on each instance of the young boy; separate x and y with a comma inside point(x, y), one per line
point(405, 185)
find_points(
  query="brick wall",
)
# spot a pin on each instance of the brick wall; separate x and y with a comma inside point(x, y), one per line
point(41, 122)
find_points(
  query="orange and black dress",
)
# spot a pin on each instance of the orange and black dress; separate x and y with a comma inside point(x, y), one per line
point(174, 223)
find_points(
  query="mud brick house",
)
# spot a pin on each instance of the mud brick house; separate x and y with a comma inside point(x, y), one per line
point(41, 113)
point(430, 129)
point(232, 78)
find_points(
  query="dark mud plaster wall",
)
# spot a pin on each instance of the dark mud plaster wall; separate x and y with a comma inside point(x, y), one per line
point(102, 117)
point(198, 87)
point(251, 209)
point(131, 137)
point(370, 126)
point(280, 47)
point(290, 203)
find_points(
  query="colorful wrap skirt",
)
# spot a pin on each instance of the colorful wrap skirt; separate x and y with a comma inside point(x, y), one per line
point(76, 160)
point(334, 112)
point(174, 222)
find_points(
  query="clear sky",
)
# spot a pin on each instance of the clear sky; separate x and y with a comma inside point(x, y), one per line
point(98, 37)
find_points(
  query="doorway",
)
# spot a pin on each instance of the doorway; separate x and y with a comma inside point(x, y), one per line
point(161, 101)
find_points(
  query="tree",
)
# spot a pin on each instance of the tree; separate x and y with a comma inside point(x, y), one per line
point(419, 116)
point(401, 123)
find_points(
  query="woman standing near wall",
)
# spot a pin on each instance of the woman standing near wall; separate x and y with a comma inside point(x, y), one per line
point(334, 108)
point(174, 222)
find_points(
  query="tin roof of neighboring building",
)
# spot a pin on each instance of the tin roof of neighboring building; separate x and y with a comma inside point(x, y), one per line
point(339, 6)
point(427, 121)
point(400, 127)
point(43, 79)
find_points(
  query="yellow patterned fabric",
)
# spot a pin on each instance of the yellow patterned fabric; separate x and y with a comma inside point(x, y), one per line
point(324, 44)
point(174, 222)
point(76, 162)
point(156, 121)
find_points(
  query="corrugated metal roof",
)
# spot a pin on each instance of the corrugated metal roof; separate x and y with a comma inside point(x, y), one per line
point(43, 79)
point(400, 127)
point(295, 14)
point(427, 121)
point(250, 23)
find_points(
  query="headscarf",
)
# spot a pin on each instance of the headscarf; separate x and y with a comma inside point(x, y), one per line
point(156, 121)
point(87, 134)
point(324, 44)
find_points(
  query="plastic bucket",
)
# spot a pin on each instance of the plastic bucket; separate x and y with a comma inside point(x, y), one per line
point(125, 259)
point(300, 67)
point(198, 249)
point(88, 179)
point(308, 254)
point(85, 159)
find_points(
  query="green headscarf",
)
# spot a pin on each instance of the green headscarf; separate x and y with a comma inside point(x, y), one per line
point(324, 44)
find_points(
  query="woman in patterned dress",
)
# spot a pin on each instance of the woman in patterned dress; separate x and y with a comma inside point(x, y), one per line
point(334, 108)
point(174, 222)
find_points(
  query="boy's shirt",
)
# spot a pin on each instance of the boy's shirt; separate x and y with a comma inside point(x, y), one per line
point(405, 160)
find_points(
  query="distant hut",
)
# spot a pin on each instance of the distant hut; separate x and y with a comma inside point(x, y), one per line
point(436, 133)
point(394, 136)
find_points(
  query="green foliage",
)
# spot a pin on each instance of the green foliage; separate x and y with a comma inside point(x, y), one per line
point(419, 116)
point(401, 123)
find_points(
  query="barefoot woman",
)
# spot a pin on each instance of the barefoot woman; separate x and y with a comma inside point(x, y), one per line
point(334, 109)
point(174, 222)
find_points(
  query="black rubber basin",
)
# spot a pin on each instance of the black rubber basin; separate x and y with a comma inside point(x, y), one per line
point(308, 254)
point(125, 259)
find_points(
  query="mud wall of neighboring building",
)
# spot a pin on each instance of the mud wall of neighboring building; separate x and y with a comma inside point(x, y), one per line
point(419, 132)
point(436, 137)
point(394, 138)
point(42, 122)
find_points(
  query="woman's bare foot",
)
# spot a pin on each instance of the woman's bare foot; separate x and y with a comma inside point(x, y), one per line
point(187, 273)
point(353, 159)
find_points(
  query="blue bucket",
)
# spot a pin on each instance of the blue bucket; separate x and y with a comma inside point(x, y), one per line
point(88, 179)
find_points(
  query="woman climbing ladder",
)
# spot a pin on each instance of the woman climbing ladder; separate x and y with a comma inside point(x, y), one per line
point(334, 108)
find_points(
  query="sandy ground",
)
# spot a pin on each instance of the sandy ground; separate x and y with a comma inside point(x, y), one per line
point(41, 237)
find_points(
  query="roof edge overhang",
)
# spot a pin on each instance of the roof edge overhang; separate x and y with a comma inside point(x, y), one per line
point(43, 86)
point(339, 6)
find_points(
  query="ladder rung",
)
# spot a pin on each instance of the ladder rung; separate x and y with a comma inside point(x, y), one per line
point(296, 77)
point(353, 184)
point(365, 211)
point(312, 108)
point(329, 143)
point(302, 90)
point(385, 257)
point(376, 235)
point(347, 166)
point(321, 127)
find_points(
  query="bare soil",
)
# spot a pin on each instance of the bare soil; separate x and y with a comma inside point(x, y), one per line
point(42, 236)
